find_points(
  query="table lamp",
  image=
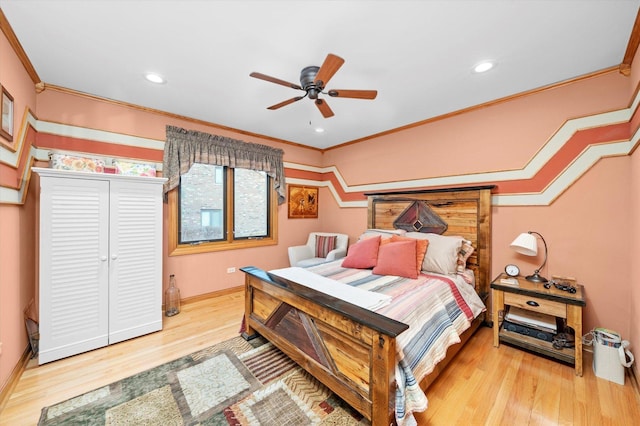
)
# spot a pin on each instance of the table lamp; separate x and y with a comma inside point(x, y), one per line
point(527, 244)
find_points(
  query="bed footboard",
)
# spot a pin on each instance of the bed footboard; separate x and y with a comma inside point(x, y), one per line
point(349, 349)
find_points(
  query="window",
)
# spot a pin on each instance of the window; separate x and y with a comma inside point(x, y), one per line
point(211, 217)
point(250, 204)
point(202, 192)
point(219, 208)
point(214, 206)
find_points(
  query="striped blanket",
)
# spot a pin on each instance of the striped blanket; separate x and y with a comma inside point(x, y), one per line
point(437, 309)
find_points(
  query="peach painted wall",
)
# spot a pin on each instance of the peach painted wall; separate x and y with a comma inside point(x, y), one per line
point(586, 230)
point(500, 137)
point(634, 234)
point(17, 235)
point(634, 279)
point(83, 111)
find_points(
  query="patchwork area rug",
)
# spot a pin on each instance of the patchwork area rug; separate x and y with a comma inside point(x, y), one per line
point(233, 383)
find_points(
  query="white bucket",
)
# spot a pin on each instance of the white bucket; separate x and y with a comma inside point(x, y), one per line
point(610, 356)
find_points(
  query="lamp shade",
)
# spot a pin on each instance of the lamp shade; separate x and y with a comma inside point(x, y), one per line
point(526, 244)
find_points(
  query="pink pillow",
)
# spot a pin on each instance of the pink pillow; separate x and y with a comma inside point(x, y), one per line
point(421, 249)
point(363, 254)
point(397, 259)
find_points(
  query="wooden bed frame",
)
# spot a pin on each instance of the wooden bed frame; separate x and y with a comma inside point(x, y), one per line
point(350, 349)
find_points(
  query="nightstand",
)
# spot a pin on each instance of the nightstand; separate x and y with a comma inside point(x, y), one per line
point(534, 297)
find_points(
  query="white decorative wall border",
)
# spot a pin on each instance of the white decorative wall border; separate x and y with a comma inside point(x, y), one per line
point(559, 184)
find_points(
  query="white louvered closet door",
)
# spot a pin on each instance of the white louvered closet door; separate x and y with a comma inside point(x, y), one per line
point(74, 244)
point(135, 274)
point(100, 260)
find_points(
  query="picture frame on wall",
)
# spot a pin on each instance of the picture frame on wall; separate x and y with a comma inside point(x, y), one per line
point(303, 202)
point(6, 115)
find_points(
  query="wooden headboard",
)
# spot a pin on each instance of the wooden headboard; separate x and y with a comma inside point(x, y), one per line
point(462, 211)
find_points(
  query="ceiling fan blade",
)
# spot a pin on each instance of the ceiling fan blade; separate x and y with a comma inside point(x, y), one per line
point(358, 94)
point(329, 67)
point(274, 80)
point(285, 103)
point(323, 106)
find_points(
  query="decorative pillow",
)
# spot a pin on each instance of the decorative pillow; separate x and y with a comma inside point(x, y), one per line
point(363, 254)
point(421, 249)
point(81, 164)
point(324, 244)
point(397, 258)
point(442, 253)
point(466, 250)
point(134, 169)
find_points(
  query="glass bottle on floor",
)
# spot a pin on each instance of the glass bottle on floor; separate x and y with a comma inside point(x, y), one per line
point(172, 298)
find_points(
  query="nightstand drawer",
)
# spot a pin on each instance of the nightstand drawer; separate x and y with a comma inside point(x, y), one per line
point(536, 304)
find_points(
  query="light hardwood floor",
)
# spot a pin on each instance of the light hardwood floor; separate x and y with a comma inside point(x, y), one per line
point(482, 386)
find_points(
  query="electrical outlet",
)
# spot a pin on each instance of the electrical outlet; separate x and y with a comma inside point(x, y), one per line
point(231, 270)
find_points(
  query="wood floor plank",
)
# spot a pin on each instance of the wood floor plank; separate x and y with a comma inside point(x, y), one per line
point(566, 397)
point(546, 400)
point(482, 386)
point(504, 389)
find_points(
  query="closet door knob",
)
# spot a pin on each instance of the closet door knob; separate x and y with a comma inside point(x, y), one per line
point(114, 256)
point(103, 258)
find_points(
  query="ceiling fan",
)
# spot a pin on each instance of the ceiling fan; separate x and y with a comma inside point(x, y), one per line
point(313, 81)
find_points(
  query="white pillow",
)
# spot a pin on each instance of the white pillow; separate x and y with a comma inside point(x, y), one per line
point(442, 252)
point(384, 233)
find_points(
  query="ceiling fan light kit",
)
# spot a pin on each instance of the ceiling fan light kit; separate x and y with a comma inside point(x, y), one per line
point(313, 81)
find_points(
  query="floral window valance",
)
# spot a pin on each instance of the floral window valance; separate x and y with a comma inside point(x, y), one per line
point(183, 148)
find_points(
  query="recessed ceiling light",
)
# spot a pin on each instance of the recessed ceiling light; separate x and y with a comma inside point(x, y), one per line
point(319, 130)
point(483, 67)
point(155, 78)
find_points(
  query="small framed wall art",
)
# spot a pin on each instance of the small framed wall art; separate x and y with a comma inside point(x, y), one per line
point(303, 202)
point(6, 115)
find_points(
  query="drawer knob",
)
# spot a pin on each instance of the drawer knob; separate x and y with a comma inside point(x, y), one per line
point(532, 303)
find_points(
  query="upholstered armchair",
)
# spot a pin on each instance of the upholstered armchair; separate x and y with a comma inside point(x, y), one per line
point(320, 247)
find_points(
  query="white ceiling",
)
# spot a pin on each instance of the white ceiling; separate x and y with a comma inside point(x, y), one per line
point(417, 54)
